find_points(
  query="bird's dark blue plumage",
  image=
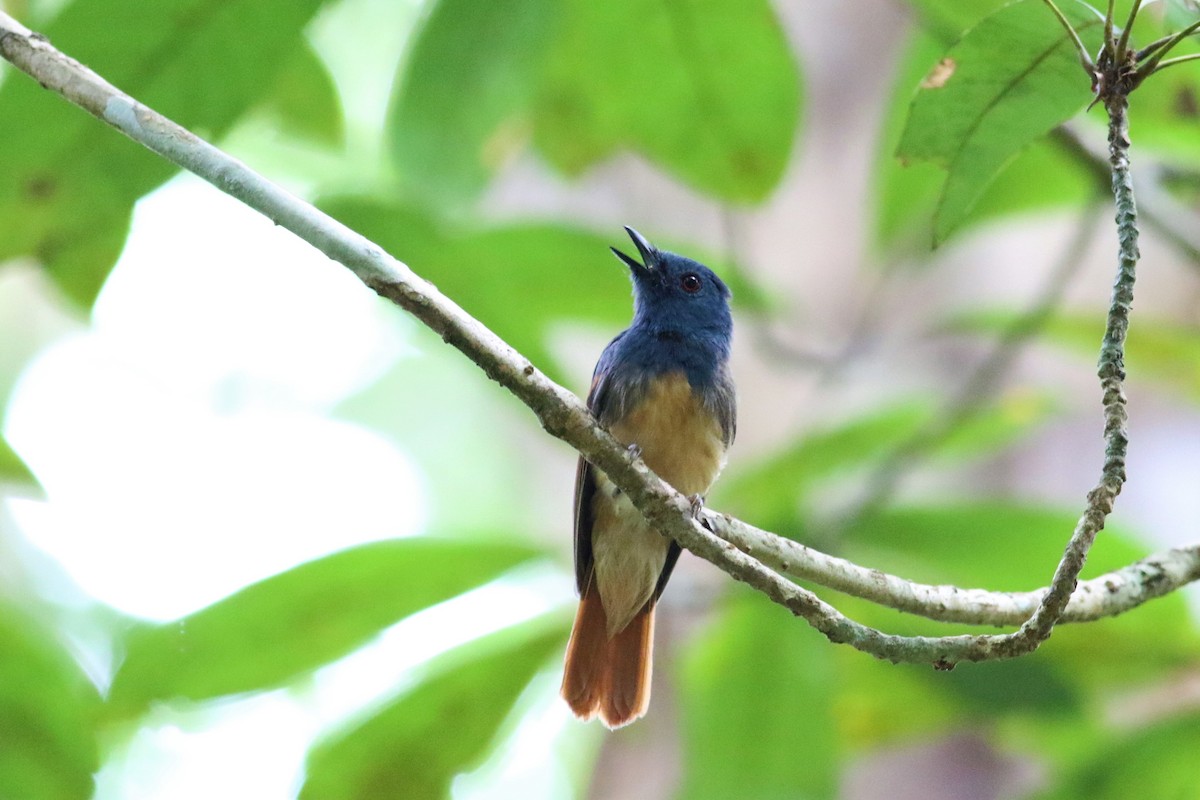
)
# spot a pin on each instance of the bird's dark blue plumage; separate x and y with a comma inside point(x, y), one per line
point(663, 385)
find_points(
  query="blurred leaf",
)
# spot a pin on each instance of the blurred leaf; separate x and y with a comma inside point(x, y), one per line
point(462, 102)
point(1015, 686)
point(12, 468)
point(391, 407)
point(1154, 762)
point(773, 490)
point(278, 629)
point(995, 545)
point(415, 745)
point(67, 183)
point(877, 703)
point(992, 428)
point(756, 701)
point(518, 279)
point(946, 20)
point(47, 715)
point(1166, 106)
point(1165, 351)
point(1009, 547)
point(1168, 112)
point(1011, 78)
point(305, 99)
point(706, 89)
point(882, 704)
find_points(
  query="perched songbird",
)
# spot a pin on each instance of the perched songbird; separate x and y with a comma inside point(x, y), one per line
point(662, 387)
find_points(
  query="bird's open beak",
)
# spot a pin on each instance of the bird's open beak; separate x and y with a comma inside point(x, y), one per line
point(645, 249)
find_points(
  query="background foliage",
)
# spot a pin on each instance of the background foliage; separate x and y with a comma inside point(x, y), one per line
point(515, 138)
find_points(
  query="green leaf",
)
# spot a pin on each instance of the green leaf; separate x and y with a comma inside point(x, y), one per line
point(285, 626)
point(1044, 175)
point(67, 182)
point(885, 704)
point(1152, 762)
point(995, 545)
point(1166, 112)
point(48, 713)
point(706, 89)
point(493, 272)
point(905, 193)
point(758, 719)
point(463, 97)
point(1159, 349)
point(1007, 547)
point(415, 745)
point(878, 703)
point(304, 99)
point(994, 427)
point(519, 279)
point(946, 20)
point(774, 490)
point(1016, 686)
point(12, 468)
point(1011, 79)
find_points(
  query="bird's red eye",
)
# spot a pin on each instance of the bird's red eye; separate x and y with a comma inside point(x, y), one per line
point(690, 283)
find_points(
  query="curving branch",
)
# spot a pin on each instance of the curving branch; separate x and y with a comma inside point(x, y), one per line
point(749, 555)
point(1104, 596)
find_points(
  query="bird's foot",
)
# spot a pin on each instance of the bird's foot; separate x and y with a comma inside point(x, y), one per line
point(697, 503)
point(633, 452)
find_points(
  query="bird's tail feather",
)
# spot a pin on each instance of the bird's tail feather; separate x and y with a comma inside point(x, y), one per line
point(608, 677)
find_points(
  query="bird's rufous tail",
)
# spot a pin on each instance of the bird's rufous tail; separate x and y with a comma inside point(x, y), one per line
point(608, 677)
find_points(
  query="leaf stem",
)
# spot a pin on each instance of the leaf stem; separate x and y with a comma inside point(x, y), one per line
point(1108, 24)
point(1170, 62)
point(1161, 48)
point(1123, 42)
point(1166, 43)
point(1084, 58)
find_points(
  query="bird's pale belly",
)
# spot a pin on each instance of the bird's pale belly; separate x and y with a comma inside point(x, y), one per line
point(682, 442)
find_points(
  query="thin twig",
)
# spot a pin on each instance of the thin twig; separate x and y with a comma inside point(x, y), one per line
point(1123, 43)
point(1166, 43)
point(1170, 62)
point(1156, 207)
point(1161, 48)
point(1111, 370)
point(1085, 59)
point(1108, 22)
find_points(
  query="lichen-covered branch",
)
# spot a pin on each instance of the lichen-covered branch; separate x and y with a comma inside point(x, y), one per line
point(563, 415)
point(1104, 596)
point(1113, 91)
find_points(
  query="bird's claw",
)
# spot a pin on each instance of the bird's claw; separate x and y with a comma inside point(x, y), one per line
point(697, 503)
point(634, 451)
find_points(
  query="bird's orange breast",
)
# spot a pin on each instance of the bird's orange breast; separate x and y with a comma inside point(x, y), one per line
point(679, 438)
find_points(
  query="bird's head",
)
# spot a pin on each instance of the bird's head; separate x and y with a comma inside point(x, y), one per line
point(674, 291)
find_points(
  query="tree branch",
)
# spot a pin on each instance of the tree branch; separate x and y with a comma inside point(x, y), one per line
point(1104, 596)
point(563, 415)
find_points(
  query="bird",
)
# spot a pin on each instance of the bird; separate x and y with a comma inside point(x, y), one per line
point(663, 388)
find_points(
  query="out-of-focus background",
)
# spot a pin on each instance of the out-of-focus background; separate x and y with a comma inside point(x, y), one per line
point(264, 536)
